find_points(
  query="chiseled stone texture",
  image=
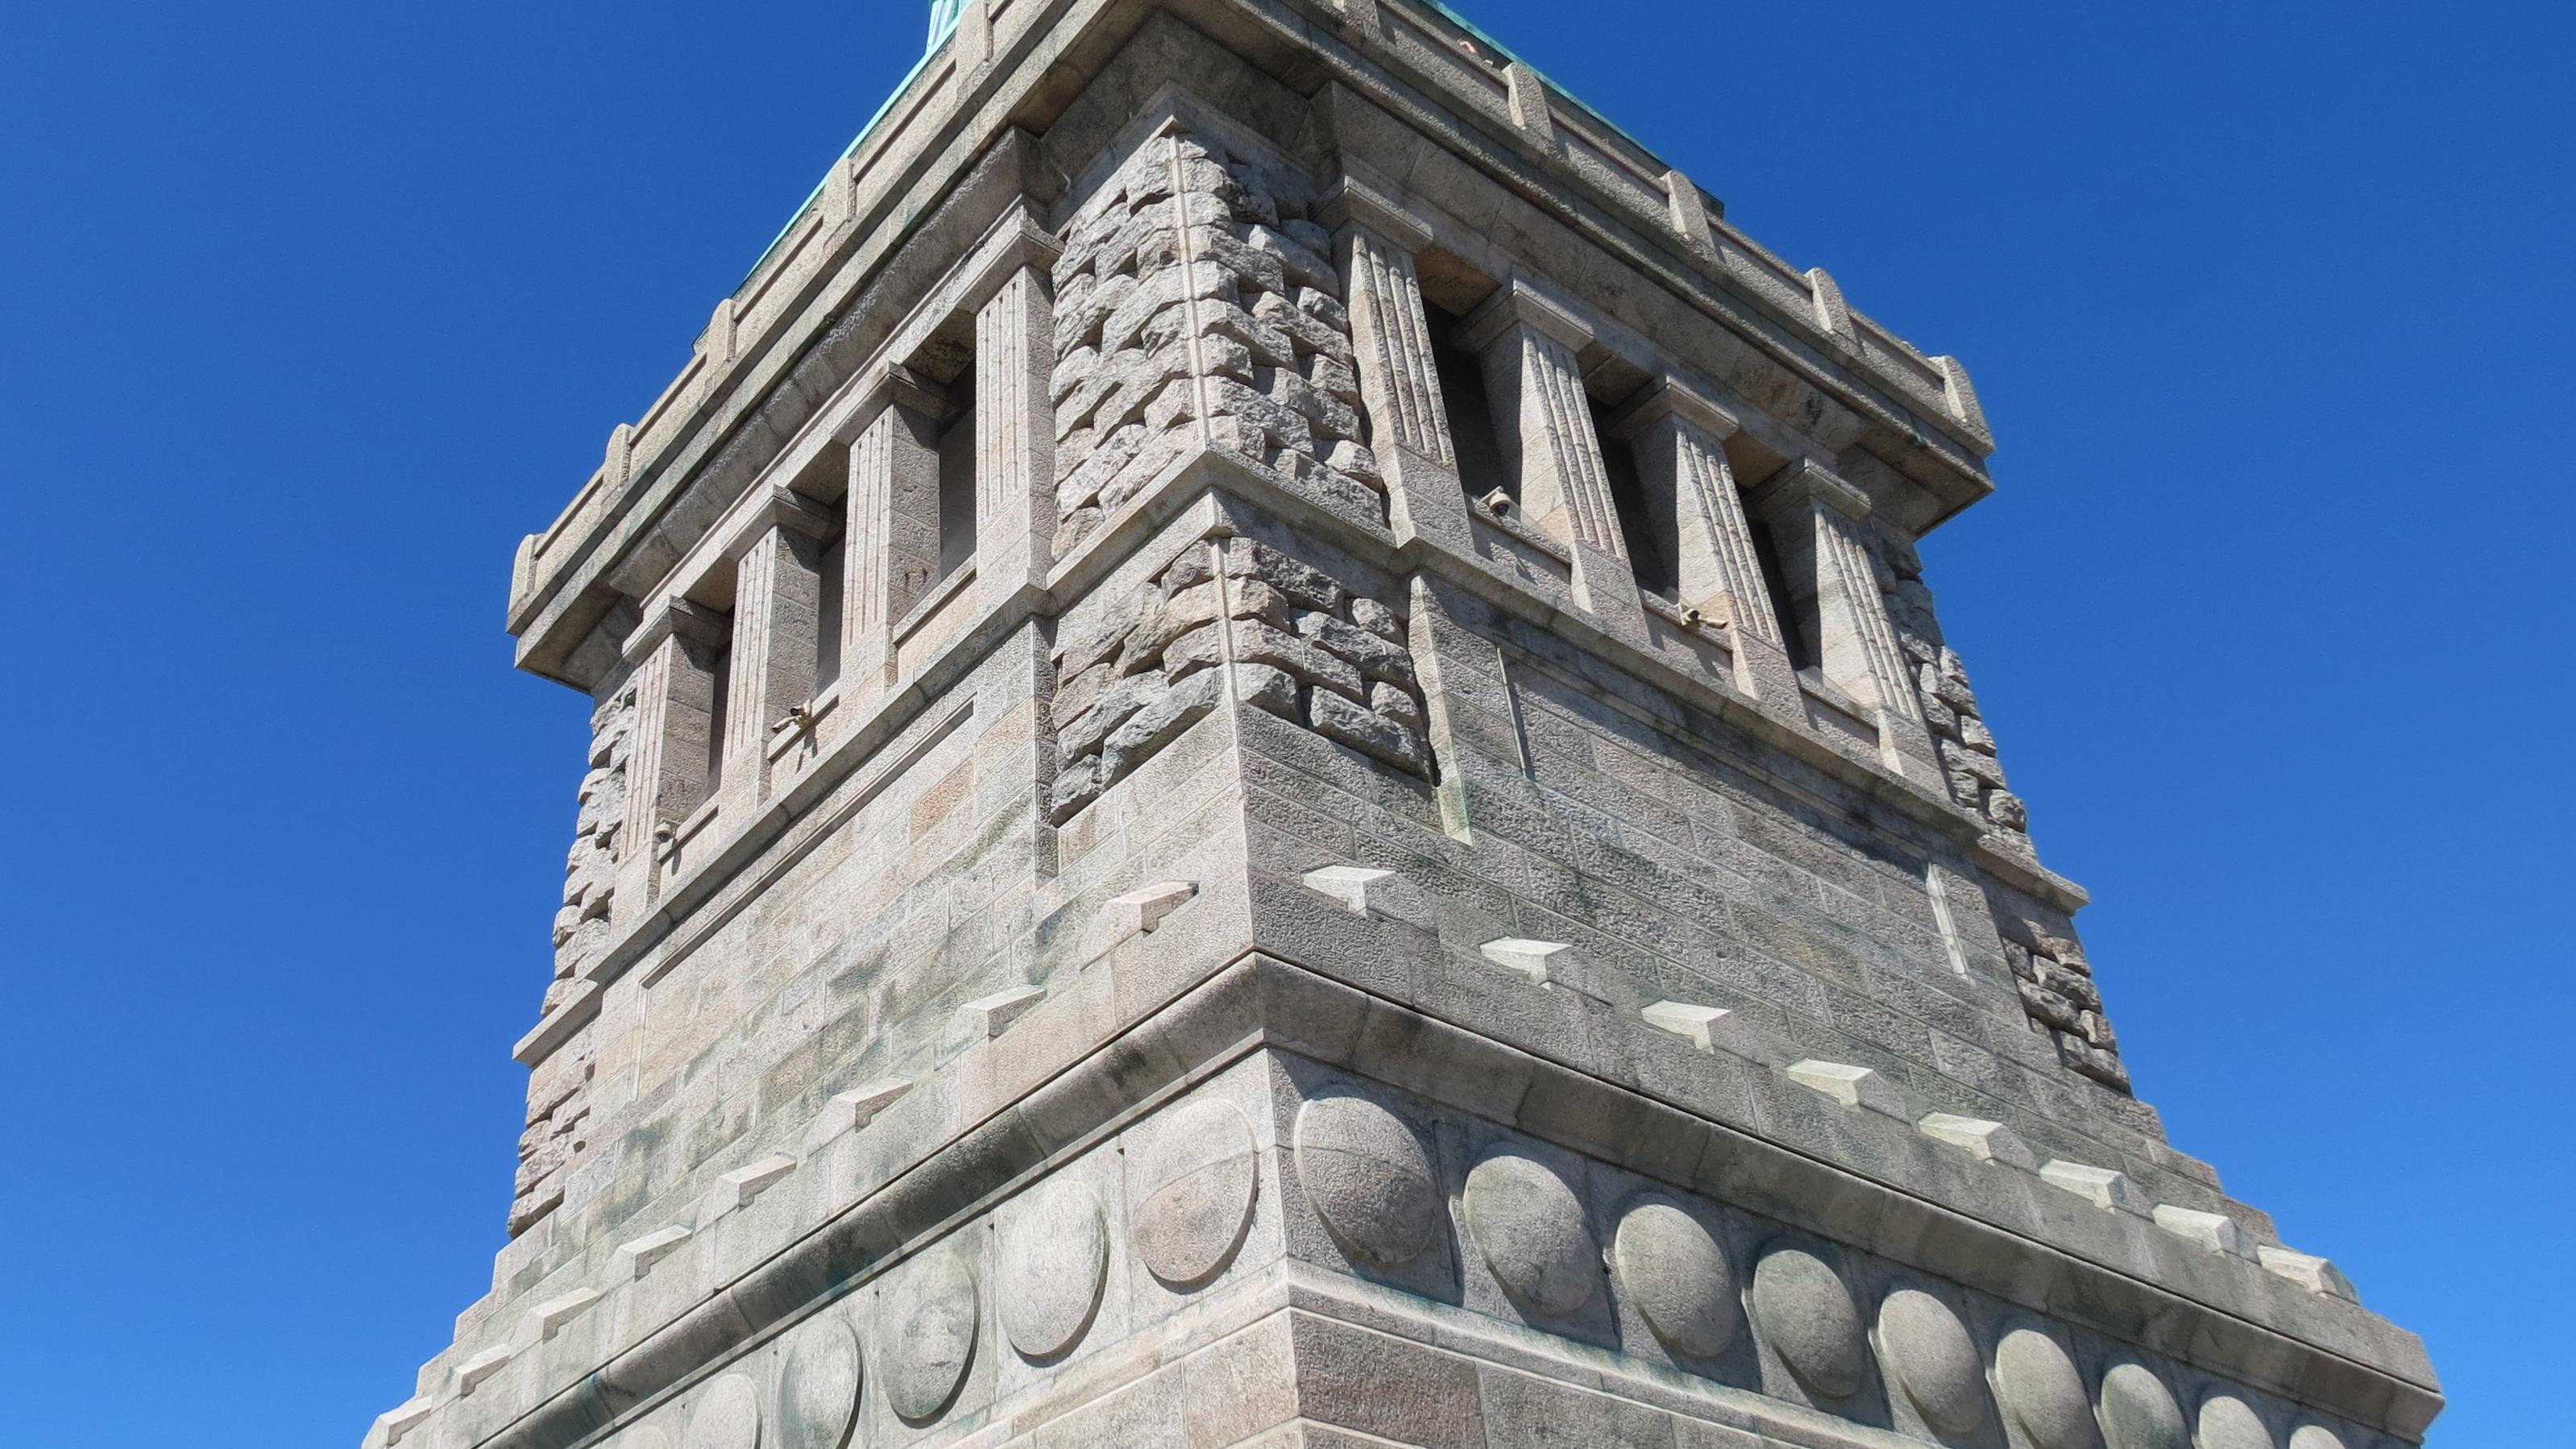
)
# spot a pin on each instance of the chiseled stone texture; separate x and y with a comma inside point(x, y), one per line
point(1051, 988)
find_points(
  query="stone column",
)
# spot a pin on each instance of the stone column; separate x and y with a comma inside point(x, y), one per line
point(890, 536)
point(1015, 506)
point(1815, 518)
point(666, 767)
point(1679, 435)
point(1535, 384)
point(1375, 244)
point(778, 592)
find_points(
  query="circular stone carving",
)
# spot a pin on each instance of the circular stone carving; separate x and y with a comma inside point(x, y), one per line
point(930, 1342)
point(646, 1438)
point(2139, 1412)
point(818, 1390)
point(1528, 1227)
point(1055, 1261)
point(2315, 1436)
point(1934, 1360)
point(1365, 1173)
point(2042, 1391)
point(727, 1418)
point(1805, 1312)
point(1672, 1268)
point(1196, 1178)
point(2228, 1422)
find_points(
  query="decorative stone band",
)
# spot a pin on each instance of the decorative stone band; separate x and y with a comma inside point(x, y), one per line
point(1366, 1174)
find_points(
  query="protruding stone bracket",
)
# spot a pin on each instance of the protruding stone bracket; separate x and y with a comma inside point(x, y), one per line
point(849, 1111)
point(1674, 396)
point(1985, 1141)
point(1360, 889)
point(1833, 316)
point(1690, 213)
point(1543, 962)
point(402, 1418)
point(1712, 1029)
point(473, 1371)
point(636, 1258)
point(543, 1321)
point(2216, 1232)
point(1139, 912)
point(2101, 1186)
point(737, 1189)
point(2315, 1274)
point(1853, 1087)
point(990, 1016)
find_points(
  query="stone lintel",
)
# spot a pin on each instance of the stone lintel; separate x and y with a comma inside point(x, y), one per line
point(1520, 302)
point(1674, 396)
point(1353, 201)
point(1802, 481)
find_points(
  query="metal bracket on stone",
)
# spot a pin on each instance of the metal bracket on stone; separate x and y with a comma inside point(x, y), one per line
point(637, 1257)
point(1985, 1141)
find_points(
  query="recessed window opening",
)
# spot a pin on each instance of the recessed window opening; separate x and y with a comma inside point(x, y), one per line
point(1470, 411)
point(1651, 532)
point(1798, 630)
point(831, 591)
point(957, 478)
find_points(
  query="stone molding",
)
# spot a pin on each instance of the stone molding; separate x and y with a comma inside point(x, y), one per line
point(1607, 1092)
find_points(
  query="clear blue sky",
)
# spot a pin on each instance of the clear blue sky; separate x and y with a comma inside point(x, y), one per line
point(314, 309)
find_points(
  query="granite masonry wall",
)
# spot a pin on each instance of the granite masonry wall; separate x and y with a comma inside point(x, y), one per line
point(1263, 953)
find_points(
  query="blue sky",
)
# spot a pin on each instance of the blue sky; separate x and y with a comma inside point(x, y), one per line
point(315, 309)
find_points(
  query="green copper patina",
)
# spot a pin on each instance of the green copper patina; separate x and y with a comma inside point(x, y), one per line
point(943, 19)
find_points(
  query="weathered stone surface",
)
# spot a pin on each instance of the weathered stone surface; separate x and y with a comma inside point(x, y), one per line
point(1194, 1179)
point(1805, 1313)
point(818, 1388)
point(2228, 1422)
point(1528, 1227)
point(2315, 1436)
point(727, 1416)
point(1055, 1262)
point(2041, 1391)
point(1233, 612)
point(1365, 1173)
point(2139, 1412)
point(1673, 1268)
point(1928, 1352)
point(930, 1335)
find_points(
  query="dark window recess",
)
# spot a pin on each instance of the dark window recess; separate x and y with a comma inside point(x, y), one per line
point(828, 601)
point(1650, 534)
point(957, 478)
point(1470, 412)
point(723, 704)
point(1797, 632)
